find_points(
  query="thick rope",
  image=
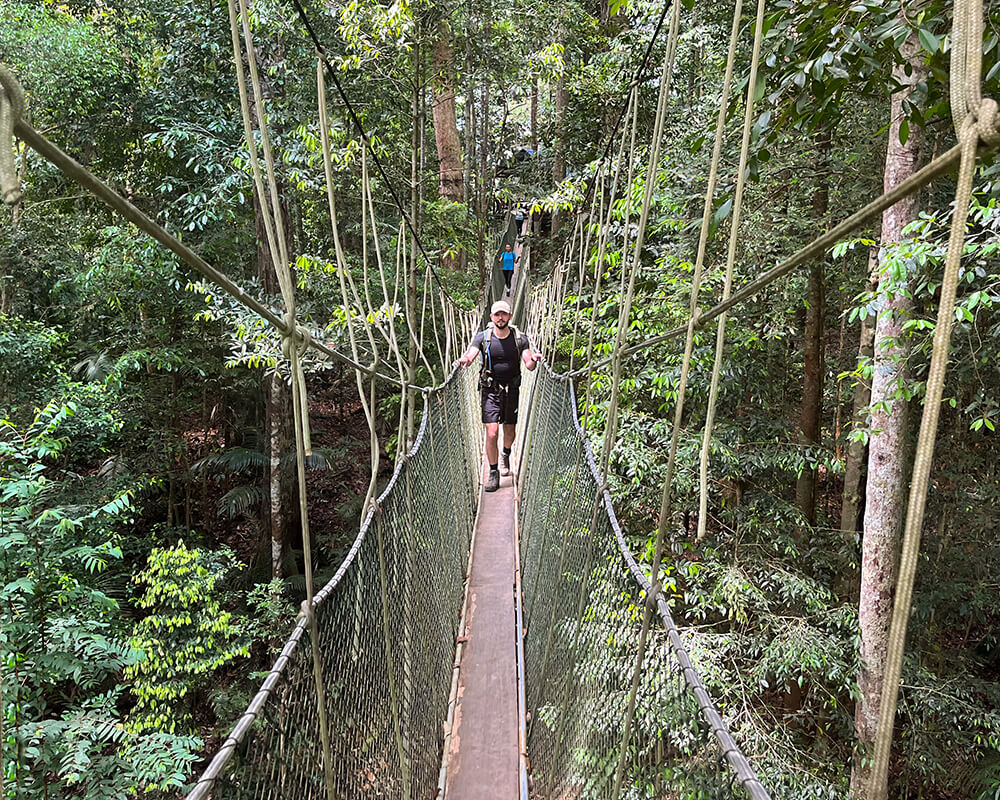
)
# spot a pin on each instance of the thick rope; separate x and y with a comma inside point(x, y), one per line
point(293, 344)
point(734, 230)
point(11, 111)
point(652, 175)
point(976, 119)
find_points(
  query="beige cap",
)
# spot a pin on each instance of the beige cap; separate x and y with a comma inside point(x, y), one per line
point(500, 305)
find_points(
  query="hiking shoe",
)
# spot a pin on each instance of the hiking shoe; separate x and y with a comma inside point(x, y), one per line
point(504, 464)
point(493, 482)
point(508, 291)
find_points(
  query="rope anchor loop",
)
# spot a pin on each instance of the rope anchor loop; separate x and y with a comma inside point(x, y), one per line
point(986, 122)
point(11, 112)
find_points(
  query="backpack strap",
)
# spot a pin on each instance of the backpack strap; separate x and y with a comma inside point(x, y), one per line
point(487, 363)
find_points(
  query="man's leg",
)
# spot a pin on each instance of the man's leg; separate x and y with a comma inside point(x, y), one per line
point(492, 431)
point(493, 479)
point(509, 431)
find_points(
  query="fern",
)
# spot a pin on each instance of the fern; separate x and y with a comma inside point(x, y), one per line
point(240, 501)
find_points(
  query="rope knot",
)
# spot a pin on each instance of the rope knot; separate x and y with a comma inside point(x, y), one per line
point(307, 611)
point(986, 122)
point(11, 112)
point(303, 338)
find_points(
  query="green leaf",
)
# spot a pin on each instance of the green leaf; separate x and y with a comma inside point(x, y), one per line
point(930, 42)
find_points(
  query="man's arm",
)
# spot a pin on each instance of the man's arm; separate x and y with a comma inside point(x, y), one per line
point(530, 358)
point(468, 356)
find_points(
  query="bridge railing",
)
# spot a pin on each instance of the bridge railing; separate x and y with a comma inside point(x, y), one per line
point(584, 597)
point(387, 623)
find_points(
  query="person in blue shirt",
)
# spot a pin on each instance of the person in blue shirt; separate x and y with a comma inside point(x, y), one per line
point(508, 258)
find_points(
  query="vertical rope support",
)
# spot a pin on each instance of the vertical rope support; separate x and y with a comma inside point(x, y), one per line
point(734, 231)
point(292, 340)
point(679, 403)
point(975, 118)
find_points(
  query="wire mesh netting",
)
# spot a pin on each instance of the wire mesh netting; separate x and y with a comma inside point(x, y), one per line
point(387, 623)
point(584, 600)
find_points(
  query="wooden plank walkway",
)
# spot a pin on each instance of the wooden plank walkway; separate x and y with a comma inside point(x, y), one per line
point(483, 755)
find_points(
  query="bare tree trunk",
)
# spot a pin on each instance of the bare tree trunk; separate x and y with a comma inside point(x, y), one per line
point(854, 468)
point(559, 159)
point(485, 190)
point(534, 116)
point(470, 125)
point(277, 424)
point(411, 282)
point(885, 501)
point(449, 146)
point(813, 349)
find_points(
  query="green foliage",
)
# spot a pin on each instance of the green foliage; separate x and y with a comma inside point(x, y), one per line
point(185, 639)
point(61, 629)
point(28, 352)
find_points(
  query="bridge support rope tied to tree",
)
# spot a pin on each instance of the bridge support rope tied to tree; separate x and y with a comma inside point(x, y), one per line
point(581, 741)
point(976, 123)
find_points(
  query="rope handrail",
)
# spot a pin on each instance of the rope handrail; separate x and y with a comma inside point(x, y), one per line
point(348, 580)
point(744, 772)
point(817, 247)
point(114, 200)
point(225, 752)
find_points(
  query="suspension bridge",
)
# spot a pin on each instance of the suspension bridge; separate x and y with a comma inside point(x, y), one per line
point(511, 645)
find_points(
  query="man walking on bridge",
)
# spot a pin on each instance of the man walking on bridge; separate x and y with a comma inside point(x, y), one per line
point(508, 258)
point(504, 349)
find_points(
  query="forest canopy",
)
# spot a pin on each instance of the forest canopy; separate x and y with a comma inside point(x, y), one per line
point(151, 544)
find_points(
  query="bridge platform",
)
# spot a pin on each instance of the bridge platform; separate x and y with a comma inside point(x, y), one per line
point(483, 758)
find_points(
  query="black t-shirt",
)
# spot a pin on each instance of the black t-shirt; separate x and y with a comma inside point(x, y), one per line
point(505, 354)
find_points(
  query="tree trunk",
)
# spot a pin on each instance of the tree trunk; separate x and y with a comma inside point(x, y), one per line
point(534, 116)
point(885, 502)
point(449, 146)
point(277, 423)
point(470, 126)
point(411, 282)
point(485, 189)
point(279, 483)
point(813, 350)
point(854, 467)
point(559, 158)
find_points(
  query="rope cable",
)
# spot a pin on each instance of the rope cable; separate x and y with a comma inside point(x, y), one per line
point(293, 346)
point(331, 72)
point(976, 121)
point(734, 230)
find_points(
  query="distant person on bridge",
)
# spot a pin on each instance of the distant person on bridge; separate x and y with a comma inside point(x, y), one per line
point(504, 349)
point(508, 258)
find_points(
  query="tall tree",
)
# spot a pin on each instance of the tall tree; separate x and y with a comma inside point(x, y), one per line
point(449, 145)
point(813, 340)
point(885, 502)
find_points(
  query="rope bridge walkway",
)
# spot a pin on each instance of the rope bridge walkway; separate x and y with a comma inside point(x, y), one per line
point(358, 702)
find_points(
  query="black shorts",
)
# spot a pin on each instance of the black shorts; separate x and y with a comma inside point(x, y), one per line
point(500, 404)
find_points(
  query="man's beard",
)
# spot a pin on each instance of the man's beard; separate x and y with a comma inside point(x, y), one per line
point(501, 323)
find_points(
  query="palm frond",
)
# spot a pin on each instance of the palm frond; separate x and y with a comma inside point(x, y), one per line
point(231, 461)
point(240, 501)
